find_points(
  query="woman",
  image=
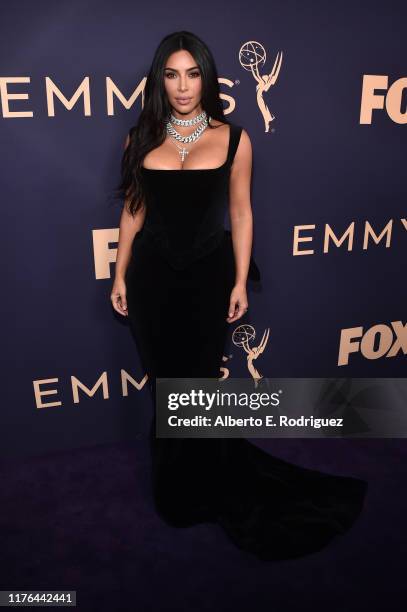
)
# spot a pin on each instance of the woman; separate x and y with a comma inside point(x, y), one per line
point(181, 279)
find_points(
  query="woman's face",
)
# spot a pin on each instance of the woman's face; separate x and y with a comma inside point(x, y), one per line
point(182, 79)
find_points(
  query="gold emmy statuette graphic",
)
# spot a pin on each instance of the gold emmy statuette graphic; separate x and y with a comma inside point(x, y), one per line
point(252, 55)
point(241, 337)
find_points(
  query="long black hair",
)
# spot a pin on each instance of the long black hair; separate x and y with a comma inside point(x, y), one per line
point(149, 132)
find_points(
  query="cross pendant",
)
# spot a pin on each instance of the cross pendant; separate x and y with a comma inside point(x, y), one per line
point(183, 152)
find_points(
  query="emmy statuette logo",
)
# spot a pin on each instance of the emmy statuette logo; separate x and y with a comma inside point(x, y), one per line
point(241, 336)
point(252, 55)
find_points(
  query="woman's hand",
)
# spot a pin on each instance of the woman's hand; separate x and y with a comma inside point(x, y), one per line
point(118, 296)
point(238, 303)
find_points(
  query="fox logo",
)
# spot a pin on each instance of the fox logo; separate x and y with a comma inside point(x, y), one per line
point(391, 100)
point(376, 342)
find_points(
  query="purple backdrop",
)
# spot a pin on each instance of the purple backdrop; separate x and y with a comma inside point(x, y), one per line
point(317, 166)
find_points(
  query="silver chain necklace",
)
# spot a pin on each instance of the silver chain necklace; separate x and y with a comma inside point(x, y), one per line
point(188, 122)
point(196, 134)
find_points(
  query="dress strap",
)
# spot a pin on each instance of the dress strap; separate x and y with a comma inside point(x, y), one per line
point(235, 133)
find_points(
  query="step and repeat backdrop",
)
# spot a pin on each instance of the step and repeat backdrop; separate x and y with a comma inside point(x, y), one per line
point(321, 89)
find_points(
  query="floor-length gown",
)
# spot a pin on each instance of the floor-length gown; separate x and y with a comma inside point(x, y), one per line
point(178, 283)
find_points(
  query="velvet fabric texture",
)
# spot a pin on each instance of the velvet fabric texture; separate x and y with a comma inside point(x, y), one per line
point(178, 283)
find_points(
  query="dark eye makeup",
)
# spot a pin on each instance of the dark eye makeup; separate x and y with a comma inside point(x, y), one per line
point(194, 74)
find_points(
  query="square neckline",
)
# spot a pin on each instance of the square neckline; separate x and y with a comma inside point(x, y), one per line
point(197, 169)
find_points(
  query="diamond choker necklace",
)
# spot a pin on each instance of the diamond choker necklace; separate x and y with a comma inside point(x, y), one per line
point(188, 122)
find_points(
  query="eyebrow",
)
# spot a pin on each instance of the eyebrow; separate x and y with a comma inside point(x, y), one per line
point(174, 69)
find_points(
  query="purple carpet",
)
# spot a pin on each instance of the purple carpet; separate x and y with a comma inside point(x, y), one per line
point(83, 520)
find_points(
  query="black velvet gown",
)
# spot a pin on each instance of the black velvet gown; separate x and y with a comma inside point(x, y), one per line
point(178, 282)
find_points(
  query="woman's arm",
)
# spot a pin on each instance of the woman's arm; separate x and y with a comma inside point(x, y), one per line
point(241, 220)
point(129, 226)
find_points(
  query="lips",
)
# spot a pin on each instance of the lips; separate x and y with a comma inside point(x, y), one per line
point(183, 99)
